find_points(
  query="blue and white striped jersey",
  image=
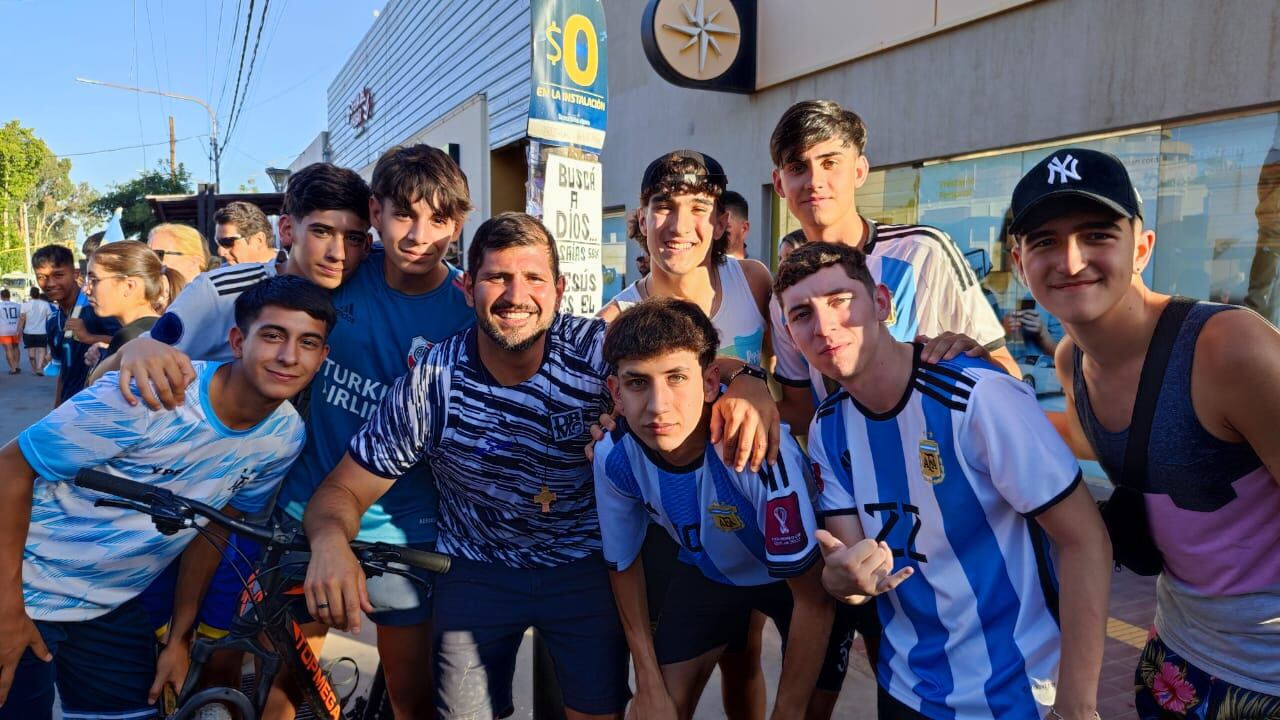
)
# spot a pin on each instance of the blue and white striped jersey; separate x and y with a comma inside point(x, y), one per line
point(83, 561)
point(933, 290)
point(738, 528)
point(513, 483)
point(952, 479)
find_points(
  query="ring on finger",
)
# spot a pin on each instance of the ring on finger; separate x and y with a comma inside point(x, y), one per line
point(322, 606)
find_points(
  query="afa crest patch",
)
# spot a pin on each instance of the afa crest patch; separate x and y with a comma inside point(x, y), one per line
point(726, 517)
point(931, 461)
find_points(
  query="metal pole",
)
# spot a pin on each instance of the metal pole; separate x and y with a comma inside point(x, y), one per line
point(173, 162)
point(213, 117)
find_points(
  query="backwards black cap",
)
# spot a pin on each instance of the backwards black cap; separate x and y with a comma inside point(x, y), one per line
point(707, 170)
point(1073, 173)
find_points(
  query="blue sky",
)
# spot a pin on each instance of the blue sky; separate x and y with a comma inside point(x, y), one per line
point(174, 46)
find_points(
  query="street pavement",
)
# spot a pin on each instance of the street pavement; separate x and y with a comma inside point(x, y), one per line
point(26, 398)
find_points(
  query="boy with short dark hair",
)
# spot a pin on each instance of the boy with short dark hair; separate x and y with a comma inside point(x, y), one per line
point(1212, 458)
point(918, 471)
point(402, 300)
point(746, 538)
point(73, 571)
point(58, 278)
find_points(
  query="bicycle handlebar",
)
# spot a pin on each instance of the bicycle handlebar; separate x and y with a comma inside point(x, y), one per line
point(162, 503)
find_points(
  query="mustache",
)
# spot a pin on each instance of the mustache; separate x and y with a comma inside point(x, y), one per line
point(512, 306)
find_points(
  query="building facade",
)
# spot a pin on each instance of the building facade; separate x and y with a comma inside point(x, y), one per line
point(962, 96)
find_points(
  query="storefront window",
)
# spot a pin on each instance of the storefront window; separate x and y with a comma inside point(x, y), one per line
point(1218, 232)
point(891, 195)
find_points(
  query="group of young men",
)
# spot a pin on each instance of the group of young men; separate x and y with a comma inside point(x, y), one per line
point(936, 508)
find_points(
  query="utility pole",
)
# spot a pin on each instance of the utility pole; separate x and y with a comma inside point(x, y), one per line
point(173, 163)
point(213, 119)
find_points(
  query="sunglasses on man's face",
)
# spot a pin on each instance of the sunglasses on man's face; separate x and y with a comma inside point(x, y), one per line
point(163, 253)
point(227, 242)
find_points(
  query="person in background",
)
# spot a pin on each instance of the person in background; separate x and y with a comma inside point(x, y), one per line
point(34, 315)
point(789, 242)
point(127, 282)
point(243, 234)
point(73, 326)
point(180, 247)
point(10, 313)
point(634, 232)
point(734, 212)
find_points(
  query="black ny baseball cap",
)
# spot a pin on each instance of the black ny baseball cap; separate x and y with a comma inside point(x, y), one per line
point(668, 168)
point(1073, 173)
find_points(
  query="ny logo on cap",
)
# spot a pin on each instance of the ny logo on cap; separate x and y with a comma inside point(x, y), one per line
point(1063, 170)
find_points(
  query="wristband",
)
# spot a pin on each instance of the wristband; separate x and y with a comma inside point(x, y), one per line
point(746, 369)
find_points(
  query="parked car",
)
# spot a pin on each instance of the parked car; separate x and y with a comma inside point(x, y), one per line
point(1041, 374)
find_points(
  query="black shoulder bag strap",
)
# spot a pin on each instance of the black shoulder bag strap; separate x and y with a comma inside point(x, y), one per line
point(1125, 512)
point(1149, 384)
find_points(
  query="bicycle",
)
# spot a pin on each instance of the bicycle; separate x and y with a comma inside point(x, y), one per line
point(268, 606)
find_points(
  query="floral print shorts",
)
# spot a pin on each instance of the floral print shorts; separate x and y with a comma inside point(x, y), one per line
point(1170, 687)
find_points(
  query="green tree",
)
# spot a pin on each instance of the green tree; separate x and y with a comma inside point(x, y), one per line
point(132, 196)
point(36, 196)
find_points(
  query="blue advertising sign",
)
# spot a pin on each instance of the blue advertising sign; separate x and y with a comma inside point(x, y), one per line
point(570, 95)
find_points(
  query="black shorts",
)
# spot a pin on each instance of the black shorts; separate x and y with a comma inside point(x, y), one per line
point(35, 341)
point(699, 615)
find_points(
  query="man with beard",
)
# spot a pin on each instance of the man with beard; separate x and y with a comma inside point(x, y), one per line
point(500, 412)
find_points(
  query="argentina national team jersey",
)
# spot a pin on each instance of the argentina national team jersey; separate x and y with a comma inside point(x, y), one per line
point(738, 528)
point(513, 483)
point(932, 287)
point(82, 561)
point(952, 479)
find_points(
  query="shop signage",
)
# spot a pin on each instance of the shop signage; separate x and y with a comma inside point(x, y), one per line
point(569, 99)
point(572, 209)
point(704, 44)
point(360, 111)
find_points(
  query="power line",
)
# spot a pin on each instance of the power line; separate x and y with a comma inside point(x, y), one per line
point(128, 147)
point(137, 76)
point(155, 66)
point(262, 23)
point(244, 49)
point(235, 28)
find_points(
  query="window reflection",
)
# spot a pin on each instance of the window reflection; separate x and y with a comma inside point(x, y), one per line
point(1217, 234)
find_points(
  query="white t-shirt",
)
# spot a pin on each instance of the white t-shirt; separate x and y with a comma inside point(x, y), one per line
point(9, 312)
point(37, 313)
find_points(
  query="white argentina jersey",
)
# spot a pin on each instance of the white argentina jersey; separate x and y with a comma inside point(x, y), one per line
point(738, 528)
point(83, 561)
point(933, 290)
point(952, 479)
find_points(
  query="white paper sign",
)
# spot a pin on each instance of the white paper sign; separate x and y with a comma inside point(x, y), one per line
point(572, 209)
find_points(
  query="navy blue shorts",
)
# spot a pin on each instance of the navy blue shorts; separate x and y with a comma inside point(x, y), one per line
point(102, 668)
point(482, 612)
point(699, 615)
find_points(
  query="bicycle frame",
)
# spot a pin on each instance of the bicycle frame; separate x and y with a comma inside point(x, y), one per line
point(265, 612)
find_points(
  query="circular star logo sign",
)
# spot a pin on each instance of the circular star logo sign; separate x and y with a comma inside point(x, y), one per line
point(698, 39)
